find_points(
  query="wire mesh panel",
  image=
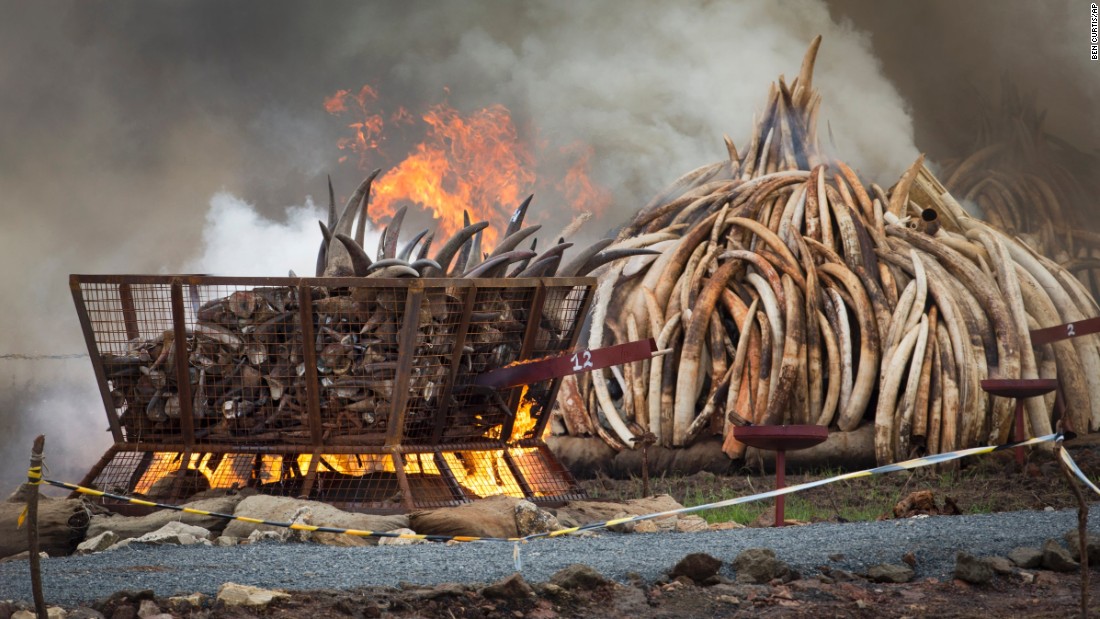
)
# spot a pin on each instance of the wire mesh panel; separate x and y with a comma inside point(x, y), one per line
point(545, 478)
point(220, 378)
point(363, 482)
point(559, 323)
point(242, 359)
point(492, 337)
point(358, 349)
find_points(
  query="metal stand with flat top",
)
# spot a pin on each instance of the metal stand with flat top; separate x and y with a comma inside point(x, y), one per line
point(781, 439)
point(1019, 388)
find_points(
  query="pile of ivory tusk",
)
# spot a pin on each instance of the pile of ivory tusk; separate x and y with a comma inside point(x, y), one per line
point(789, 292)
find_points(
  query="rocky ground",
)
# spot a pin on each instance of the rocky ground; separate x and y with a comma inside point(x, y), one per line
point(1036, 582)
point(580, 592)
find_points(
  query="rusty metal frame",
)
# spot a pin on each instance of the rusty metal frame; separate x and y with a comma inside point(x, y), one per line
point(392, 442)
point(534, 315)
point(461, 331)
point(183, 378)
point(555, 385)
point(309, 357)
point(129, 312)
point(406, 343)
point(449, 477)
point(97, 361)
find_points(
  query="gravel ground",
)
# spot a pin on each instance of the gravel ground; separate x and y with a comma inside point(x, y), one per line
point(170, 570)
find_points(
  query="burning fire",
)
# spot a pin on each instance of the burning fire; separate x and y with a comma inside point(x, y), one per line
point(474, 162)
point(484, 473)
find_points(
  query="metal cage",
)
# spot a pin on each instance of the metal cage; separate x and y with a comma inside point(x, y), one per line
point(354, 391)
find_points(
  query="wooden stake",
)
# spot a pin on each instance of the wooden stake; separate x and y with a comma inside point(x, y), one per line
point(1082, 532)
point(32, 526)
point(646, 441)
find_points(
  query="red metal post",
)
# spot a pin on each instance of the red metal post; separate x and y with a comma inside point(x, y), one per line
point(1019, 435)
point(780, 482)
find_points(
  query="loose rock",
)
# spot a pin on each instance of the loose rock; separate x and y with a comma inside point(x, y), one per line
point(890, 572)
point(84, 613)
point(233, 594)
point(1057, 558)
point(303, 515)
point(759, 565)
point(530, 519)
point(127, 527)
point(1092, 542)
point(1000, 565)
point(175, 533)
point(99, 543)
point(973, 570)
point(578, 576)
point(150, 610)
point(1025, 557)
point(511, 588)
point(187, 602)
point(281, 509)
point(400, 541)
point(691, 524)
point(698, 566)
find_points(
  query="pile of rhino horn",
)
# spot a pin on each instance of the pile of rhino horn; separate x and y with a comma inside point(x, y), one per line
point(342, 255)
point(790, 292)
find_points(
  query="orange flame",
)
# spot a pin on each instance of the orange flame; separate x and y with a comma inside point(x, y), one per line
point(367, 131)
point(473, 162)
point(483, 472)
point(578, 188)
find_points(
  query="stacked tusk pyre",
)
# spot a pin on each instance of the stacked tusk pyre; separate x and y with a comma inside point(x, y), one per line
point(789, 291)
point(356, 386)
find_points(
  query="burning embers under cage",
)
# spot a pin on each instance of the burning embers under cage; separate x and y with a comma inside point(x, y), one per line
point(380, 411)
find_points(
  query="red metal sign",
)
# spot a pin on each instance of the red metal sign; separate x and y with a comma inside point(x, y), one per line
point(529, 372)
point(1068, 330)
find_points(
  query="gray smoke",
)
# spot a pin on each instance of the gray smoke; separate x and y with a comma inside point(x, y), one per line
point(160, 137)
point(948, 60)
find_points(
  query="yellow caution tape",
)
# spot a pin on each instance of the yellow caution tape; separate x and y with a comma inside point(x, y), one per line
point(297, 526)
point(889, 468)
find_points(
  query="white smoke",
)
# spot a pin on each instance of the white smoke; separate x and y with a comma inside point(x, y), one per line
point(47, 396)
point(238, 240)
point(652, 86)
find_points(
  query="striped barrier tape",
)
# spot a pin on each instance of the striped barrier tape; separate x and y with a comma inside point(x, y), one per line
point(1064, 455)
point(888, 468)
point(297, 526)
point(34, 478)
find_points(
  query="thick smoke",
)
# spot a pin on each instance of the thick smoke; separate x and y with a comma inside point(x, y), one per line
point(268, 248)
point(948, 60)
point(137, 134)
